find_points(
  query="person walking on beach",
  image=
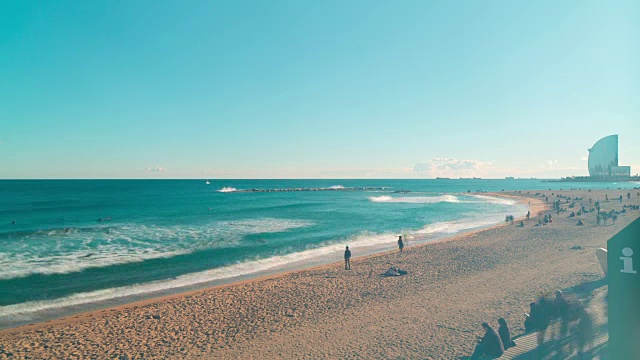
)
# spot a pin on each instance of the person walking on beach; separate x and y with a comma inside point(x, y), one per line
point(347, 259)
point(400, 243)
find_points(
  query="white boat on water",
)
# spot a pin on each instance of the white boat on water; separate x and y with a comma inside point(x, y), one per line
point(207, 183)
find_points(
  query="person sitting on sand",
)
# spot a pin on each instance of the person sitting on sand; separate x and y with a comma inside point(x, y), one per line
point(400, 243)
point(490, 344)
point(521, 224)
point(347, 259)
point(505, 334)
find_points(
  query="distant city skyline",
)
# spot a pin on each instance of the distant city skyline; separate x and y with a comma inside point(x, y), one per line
point(287, 89)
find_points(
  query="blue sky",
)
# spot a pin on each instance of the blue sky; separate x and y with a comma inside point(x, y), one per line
point(326, 89)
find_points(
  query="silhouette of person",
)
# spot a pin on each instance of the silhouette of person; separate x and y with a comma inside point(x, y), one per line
point(560, 309)
point(490, 344)
point(542, 320)
point(13, 222)
point(347, 259)
point(559, 304)
point(400, 243)
point(505, 334)
point(531, 319)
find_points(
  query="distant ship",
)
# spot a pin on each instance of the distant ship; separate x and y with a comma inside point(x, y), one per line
point(442, 178)
point(207, 182)
point(510, 178)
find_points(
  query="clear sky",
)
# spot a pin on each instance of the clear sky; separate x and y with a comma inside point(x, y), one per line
point(315, 89)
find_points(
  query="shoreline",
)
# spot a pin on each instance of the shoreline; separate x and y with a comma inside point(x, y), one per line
point(277, 272)
point(434, 311)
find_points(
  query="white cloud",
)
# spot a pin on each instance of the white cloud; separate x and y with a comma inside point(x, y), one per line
point(584, 158)
point(449, 167)
point(157, 168)
point(552, 164)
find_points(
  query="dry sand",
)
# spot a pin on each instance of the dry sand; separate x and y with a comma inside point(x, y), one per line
point(433, 312)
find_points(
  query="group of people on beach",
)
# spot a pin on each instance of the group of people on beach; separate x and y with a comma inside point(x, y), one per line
point(547, 219)
point(347, 253)
point(567, 320)
point(571, 317)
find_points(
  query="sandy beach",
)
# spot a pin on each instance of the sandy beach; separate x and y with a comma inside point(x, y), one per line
point(434, 311)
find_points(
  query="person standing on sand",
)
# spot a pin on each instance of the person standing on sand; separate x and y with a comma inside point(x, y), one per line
point(400, 243)
point(347, 259)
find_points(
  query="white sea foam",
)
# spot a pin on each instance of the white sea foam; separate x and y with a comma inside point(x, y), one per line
point(442, 198)
point(227, 189)
point(452, 227)
point(336, 187)
point(61, 252)
point(330, 250)
point(495, 200)
point(415, 199)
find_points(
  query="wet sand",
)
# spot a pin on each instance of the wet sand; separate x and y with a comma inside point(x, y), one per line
point(435, 311)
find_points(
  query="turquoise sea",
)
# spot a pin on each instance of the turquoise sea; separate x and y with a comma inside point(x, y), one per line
point(84, 244)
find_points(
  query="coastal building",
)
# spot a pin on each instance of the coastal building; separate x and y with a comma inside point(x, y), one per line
point(603, 159)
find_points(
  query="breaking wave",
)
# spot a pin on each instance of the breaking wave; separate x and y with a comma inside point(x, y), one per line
point(298, 189)
point(415, 199)
point(227, 189)
point(495, 200)
point(329, 250)
point(61, 251)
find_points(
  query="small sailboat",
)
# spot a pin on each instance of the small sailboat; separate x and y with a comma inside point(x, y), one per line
point(207, 182)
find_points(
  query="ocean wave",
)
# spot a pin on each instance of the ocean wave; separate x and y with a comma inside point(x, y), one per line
point(453, 227)
point(328, 251)
point(61, 251)
point(415, 199)
point(495, 200)
point(464, 199)
point(330, 188)
point(227, 189)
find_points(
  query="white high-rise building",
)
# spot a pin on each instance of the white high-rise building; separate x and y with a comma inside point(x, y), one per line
point(603, 159)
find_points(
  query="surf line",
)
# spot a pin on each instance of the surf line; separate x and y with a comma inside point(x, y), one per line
point(366, 188)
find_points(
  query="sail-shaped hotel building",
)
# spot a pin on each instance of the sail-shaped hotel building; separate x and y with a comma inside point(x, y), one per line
point(603, 160)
